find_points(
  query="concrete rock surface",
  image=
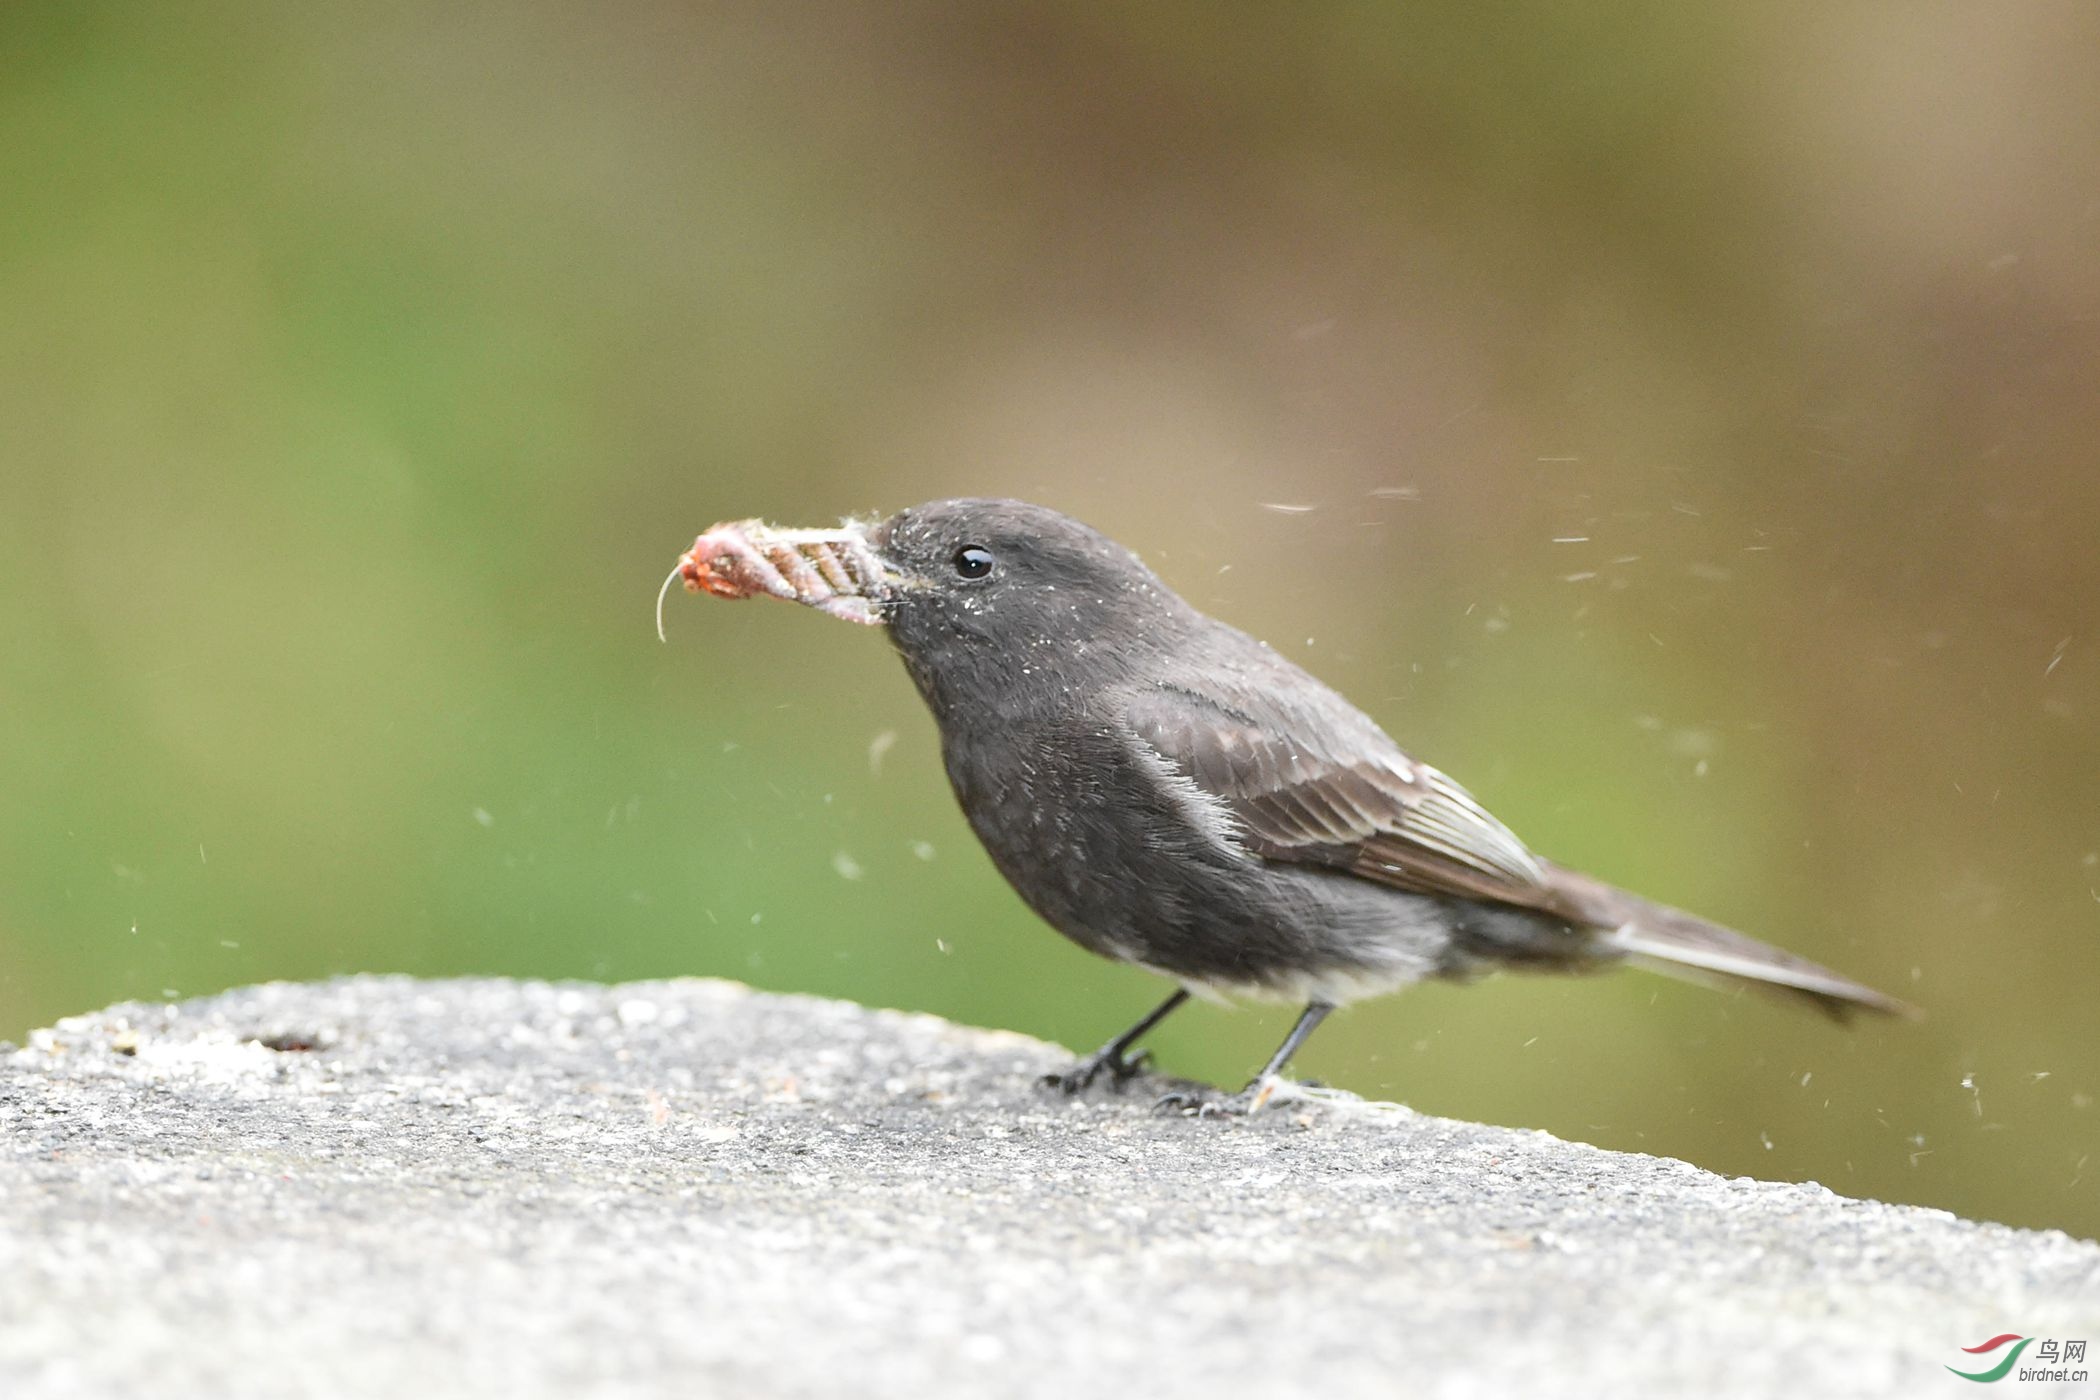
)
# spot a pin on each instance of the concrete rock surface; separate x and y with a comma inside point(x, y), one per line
point(383, 1187)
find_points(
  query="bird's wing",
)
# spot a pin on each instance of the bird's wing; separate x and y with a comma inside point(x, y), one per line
point(1309, 778)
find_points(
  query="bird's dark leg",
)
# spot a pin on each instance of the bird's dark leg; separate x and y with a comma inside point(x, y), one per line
point(1113, 1056)
point(1308, 1022)
point(1251, 1098)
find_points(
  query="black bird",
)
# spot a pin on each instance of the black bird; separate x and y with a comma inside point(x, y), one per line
point(1167, 791)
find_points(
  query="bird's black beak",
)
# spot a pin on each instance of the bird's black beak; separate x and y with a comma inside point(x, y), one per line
point(836, 571)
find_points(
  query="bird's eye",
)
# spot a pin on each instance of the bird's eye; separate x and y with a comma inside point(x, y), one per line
point(971, 561)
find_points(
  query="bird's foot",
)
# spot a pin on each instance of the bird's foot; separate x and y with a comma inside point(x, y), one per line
point(1121, 1070)
point(1194, 1103)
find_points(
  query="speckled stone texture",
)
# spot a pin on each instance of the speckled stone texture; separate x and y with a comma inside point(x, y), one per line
point(381, 1187)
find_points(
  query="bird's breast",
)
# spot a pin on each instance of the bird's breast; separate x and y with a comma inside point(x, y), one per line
point(1117, 853)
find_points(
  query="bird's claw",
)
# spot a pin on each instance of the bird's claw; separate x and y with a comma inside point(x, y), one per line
point(1183, 1101)
point(1193, 1103)
point(1120, 1069)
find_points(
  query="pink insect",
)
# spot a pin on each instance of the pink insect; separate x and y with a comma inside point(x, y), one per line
point(833, 571)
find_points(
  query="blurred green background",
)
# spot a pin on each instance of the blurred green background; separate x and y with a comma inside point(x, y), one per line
point(1685, 415)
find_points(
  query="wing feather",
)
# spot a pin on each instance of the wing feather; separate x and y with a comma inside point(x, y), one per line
point(1304, 776)
point(1307, 777)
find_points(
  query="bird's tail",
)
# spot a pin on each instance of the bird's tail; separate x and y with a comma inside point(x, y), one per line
point(1683, 945)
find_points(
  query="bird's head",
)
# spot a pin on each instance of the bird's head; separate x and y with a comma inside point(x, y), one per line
point(1000, 590)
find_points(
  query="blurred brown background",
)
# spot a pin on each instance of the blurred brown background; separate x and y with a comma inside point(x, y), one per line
point(1675, 421)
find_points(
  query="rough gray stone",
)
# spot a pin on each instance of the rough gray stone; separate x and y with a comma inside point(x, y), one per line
point(688, 1188)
